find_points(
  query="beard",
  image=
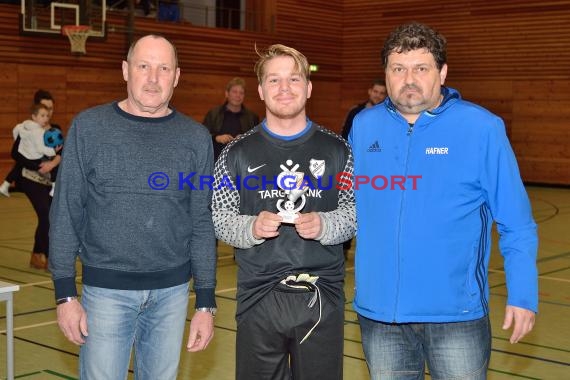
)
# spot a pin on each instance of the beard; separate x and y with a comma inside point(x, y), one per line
point(413, 102)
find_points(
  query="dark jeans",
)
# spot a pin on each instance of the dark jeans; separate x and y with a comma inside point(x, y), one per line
point(38, 195)
point(399, 351)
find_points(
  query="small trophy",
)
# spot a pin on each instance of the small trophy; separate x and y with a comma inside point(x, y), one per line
point(287, 208)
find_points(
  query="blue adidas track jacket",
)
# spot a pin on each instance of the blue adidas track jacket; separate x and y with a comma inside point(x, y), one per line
point(426, 198)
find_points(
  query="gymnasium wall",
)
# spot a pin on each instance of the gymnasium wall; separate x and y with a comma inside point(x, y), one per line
point(509, 56)
point(208, 59)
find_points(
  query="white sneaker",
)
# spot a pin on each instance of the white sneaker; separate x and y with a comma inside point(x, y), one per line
point(5, 189)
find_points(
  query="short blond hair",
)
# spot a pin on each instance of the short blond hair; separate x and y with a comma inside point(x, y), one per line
point(237, 81)
point(278, 50)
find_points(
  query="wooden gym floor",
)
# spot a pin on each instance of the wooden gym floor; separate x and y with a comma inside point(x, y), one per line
point(41, 351)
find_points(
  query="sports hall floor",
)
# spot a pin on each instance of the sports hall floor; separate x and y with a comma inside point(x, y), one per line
point(41, 352)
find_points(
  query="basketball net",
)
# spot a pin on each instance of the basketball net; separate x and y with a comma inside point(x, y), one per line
point(77, 35)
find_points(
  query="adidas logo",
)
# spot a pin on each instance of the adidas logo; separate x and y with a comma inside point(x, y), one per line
point(374, 147)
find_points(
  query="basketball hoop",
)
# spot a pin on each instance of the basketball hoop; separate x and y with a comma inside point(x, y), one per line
point(77, 35)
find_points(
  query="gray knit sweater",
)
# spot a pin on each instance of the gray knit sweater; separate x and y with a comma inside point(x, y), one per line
point(131, 227)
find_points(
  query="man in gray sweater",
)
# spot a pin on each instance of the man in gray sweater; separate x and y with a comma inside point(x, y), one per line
point(129, 205)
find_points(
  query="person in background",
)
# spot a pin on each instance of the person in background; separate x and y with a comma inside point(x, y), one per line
point(424, 244)
point(376, 95)
point(231, 119)
point(139, 242)
point(288, 238)
point(42, 166)
point(31, 145)
point(45, 97)
point(31, 133)
point(30, 152)
point(34, 179)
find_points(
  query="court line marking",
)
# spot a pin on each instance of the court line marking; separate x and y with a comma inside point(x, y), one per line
point(559, 279)
point(39, 283)
point(33, 325)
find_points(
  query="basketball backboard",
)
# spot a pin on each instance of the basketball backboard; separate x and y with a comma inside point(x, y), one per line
point(47, 17)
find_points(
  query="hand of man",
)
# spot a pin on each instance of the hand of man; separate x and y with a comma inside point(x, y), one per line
point(523, 322)
point(72, 321)
point(46, 167)
point(266, 225)
point(201, 331)
point(224, 139)
point(309, 225)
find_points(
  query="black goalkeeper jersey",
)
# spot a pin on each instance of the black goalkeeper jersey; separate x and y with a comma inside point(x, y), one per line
point(254, 174)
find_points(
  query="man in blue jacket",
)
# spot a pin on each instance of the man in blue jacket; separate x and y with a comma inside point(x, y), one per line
point(432, 173)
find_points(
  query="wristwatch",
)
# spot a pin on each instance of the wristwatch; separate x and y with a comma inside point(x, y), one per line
point(211, 310)
point(60, 301)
